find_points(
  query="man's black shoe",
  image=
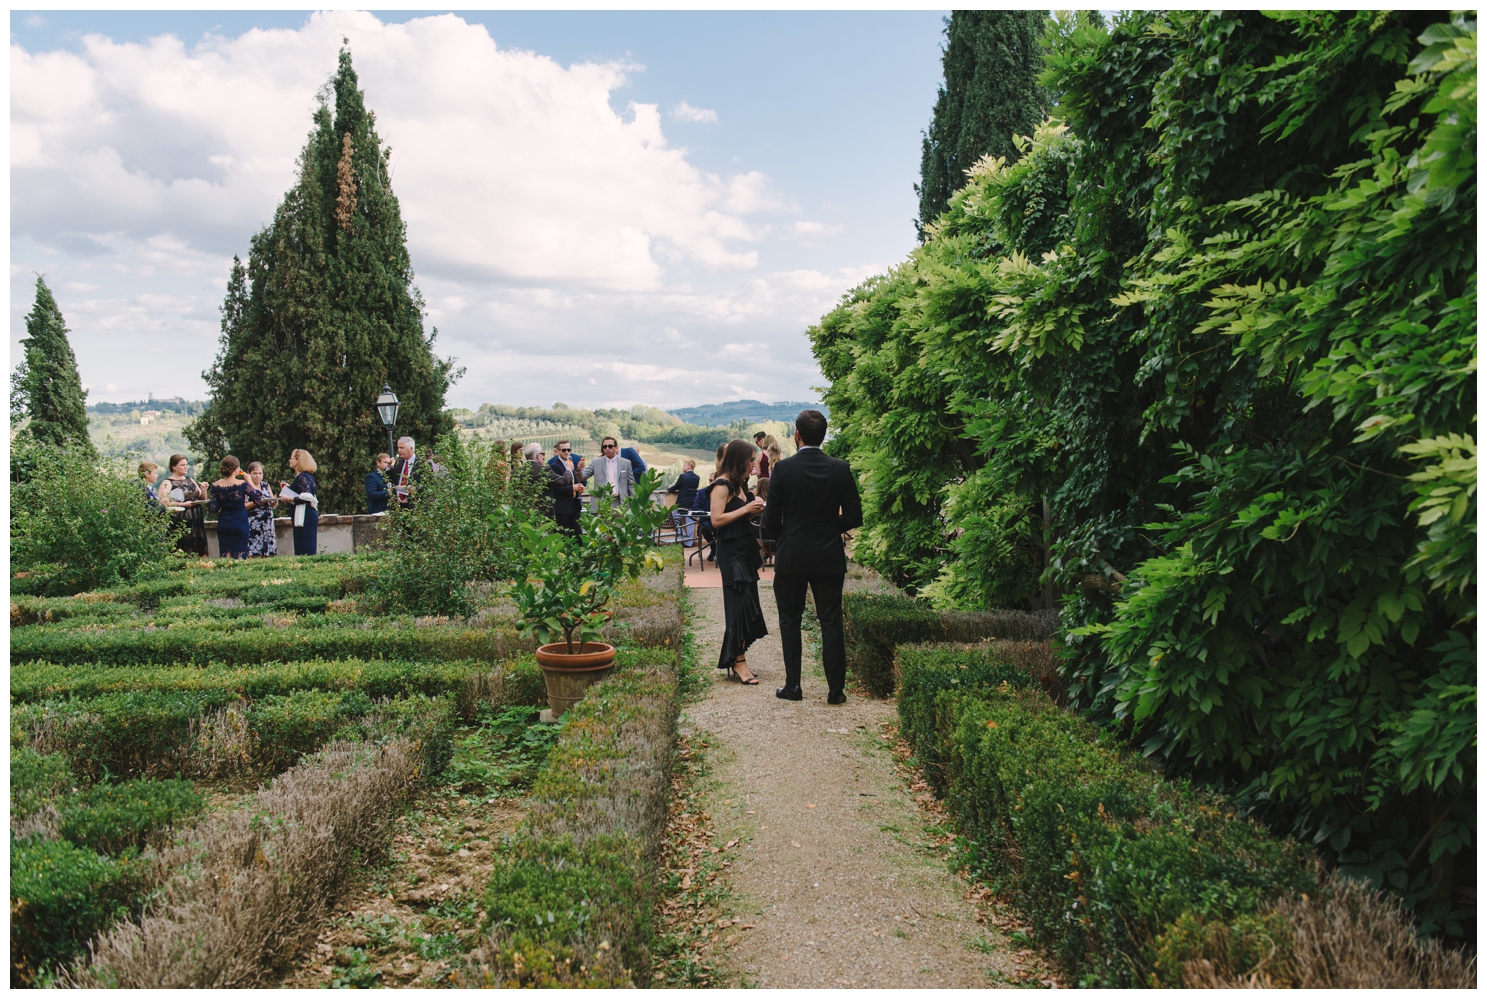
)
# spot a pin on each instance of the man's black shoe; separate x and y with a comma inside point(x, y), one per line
point(788, 693)
point(836, 697)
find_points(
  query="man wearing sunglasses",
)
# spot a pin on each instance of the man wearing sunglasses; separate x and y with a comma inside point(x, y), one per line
point(567, 487)
point(614, 469)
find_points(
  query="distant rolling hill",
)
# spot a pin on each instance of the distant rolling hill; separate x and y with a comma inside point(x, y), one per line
point(721, 414)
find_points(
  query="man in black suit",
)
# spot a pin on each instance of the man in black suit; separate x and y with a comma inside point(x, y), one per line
point(685, 488)
point(813, 501)
point(377, 488)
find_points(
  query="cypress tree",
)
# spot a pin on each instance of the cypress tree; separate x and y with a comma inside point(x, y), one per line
point(323, 314)
point(992, 61)
point(46, 387)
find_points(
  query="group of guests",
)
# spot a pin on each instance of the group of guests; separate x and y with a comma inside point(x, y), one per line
point(244, 505)
point(765, 453)
point(566, 478)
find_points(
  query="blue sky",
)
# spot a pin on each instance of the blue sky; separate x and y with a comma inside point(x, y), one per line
point(689, 248)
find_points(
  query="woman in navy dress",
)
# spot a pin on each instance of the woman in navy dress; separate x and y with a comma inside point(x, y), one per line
point(229, 496)
point(732, 507)
point(306, 506)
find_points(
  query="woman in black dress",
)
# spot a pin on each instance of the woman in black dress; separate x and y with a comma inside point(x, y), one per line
point(732, 507)
point(184, 498)
point(306, 505)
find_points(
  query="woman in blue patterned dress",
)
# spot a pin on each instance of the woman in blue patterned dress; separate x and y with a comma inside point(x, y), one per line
point(261, 502)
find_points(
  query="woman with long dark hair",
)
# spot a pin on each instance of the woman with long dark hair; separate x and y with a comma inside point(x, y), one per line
point(184, 498)
point(732, 506)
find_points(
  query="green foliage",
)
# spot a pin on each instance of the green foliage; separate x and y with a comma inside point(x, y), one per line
point(927, 671)
point(112, 818)
point(569, 580)
point(571, 896)
point(875, 626)
point(157, 732)
point(504, 752)
point(458, 530)
point(989, 95)
point(323, 315)
point(60, 895)
point(77, 523)
point(47, 388)
point(40, 681)
point(1101, 853)
point(1224, 326)
point(202, 645)
point(36, 779)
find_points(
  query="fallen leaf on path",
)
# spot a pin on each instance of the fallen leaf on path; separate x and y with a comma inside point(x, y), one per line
point(731, 844)
point(793, 843)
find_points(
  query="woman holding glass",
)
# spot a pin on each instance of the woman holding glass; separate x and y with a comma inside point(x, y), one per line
point(184, 498)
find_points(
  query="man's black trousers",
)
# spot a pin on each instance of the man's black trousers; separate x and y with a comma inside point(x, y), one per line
point(789, 597)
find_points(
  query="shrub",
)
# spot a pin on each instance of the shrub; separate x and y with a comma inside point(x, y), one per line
point(80, 522)
point(1103, 855)
point(60, 895)
point(581, 859)
point(201, 732)
point(201, 646)
point(458, 529)
point(926, 671)
point(223, 918)
point(875, 625)
point(1343, 936)
point(36, 779)
point(112, 818)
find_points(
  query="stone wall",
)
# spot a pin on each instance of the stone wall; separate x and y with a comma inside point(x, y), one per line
point(338, 532)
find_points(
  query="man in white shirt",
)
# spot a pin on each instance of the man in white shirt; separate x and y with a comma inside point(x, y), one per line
point(406, 472)
point(614, 470)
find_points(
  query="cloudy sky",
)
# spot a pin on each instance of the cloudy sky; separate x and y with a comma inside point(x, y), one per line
point(602, 208)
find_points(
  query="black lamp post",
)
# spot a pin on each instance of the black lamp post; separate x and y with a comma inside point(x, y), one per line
point(387, 410)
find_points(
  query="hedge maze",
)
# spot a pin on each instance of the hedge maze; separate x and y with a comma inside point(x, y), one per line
point(201, 760)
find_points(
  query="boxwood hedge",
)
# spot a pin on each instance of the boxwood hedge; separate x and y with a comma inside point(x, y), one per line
point(1103, 855)
point(876, 624)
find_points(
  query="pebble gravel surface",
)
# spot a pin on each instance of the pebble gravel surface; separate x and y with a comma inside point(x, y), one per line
point(833, 866)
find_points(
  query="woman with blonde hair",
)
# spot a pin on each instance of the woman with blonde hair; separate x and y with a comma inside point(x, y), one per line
point(306, 507)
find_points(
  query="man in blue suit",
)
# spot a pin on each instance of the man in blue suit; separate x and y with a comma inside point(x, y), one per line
point(637, 466)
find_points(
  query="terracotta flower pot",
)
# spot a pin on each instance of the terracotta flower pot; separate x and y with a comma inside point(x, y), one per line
point(569, 675)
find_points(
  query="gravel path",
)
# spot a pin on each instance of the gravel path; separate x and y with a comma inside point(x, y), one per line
point(833, 867)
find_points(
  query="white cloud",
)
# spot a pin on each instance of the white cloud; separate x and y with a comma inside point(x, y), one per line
point(551, 233)
point(686, 112)
point(812, 233)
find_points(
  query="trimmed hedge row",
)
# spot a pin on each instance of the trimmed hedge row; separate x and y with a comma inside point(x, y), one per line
point(78, 869)
point(876, 624)
point(207, 733)
point(200, 646)
point(1104, 855)
point(570, 899)
point(232, 895)
point(377, 678)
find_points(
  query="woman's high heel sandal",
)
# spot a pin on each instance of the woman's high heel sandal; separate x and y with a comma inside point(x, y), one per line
point(752, 681)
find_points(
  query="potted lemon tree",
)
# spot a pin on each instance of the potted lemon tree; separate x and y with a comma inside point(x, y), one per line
point(563, 601)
